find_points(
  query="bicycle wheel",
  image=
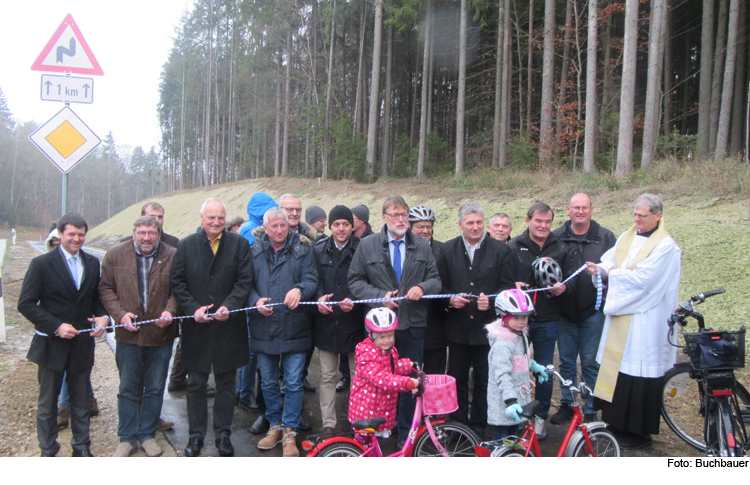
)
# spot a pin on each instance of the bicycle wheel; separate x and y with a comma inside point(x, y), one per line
point(681, 406)
point(340, 449)
point(603, 444)
point(743, 399)
point(512, 452)
point(457, 439)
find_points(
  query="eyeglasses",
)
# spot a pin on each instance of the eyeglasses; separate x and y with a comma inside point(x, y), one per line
point(398, 215)
point(580, 209)
point(641, 216)
point(293, 209)
point(144, 234)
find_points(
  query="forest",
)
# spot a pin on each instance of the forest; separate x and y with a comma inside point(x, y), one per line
point(368, 89)
point(377, 89)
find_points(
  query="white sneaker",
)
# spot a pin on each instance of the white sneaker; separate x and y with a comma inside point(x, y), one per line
point(540, 425)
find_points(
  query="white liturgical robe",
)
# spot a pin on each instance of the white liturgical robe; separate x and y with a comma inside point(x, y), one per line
point(650, 294)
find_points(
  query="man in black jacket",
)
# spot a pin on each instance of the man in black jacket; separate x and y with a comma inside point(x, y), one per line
point(581, 322)
point(395, 262)
point(472, 264)
point(337, 329)
point(60, 293)
point(212, 273)
point(422, 220)
point(536, 242)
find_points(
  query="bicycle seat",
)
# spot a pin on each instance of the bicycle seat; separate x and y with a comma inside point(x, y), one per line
point(530, 410)
point(370, 423)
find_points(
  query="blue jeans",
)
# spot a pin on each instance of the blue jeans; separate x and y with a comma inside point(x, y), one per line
point(287, 413)
point(141, 369)
point(64, 401)
point(543, 336)
point(580, 338)
point(412, 348)
point(501, 432)
point(246, 378)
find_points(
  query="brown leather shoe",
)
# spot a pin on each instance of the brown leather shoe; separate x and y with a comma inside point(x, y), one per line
point(272, 439)
point(63, 417)
point(164, 425)
point(93, 407)
point(289, 442)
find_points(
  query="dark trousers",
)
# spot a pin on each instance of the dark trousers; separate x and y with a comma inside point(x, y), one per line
point(462, 358)
point(197, 403)
point(435, 360)
point(179, 374)
point(409, 347)
point(50, 383)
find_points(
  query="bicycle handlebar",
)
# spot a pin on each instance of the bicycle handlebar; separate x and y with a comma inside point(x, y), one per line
point(687, 309)
point(700, 298)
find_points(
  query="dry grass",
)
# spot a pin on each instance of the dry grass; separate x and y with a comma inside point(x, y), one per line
point(706, 209)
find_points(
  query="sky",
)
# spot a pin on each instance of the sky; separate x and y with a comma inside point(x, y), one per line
point(130, 40)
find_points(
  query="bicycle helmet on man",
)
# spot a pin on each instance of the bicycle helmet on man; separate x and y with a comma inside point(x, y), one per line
point(421, 213)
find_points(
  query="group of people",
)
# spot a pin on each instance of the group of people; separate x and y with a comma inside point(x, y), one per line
point(614, 312)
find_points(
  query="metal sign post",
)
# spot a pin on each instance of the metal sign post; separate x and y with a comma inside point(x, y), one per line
point(65, 139)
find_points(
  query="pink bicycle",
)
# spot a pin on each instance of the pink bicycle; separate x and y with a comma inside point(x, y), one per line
point(436, 436)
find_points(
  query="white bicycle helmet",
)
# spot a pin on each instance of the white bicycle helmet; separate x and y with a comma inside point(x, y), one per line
point(381, 319)
point(546, 272)
point(513, 302)
point(421, 213)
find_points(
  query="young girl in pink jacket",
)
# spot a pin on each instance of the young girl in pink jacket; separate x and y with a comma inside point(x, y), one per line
point(380, 374)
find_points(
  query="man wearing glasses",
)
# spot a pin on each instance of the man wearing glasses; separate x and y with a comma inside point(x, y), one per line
point(393, 263)
point(292, 205)
point(643, 274)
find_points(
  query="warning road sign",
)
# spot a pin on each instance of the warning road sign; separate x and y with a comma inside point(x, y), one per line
point(65, 139)
point(67, 51)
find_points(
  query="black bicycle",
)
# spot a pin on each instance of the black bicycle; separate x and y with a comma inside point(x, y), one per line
point(702, 401)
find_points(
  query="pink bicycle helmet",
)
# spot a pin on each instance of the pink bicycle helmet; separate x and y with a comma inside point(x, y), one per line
point(513, 302)
point(381, 319)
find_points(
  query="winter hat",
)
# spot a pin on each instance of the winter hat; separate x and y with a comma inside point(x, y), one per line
point(314, 214)
point(340, 212)
point(362, 213)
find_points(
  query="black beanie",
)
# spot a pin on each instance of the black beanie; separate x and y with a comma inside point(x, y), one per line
point(340, 212)
point(362, 213)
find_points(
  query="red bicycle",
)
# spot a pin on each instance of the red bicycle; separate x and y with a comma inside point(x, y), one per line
point(581, 439)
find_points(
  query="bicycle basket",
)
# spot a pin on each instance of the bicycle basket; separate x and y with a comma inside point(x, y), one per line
point(716, 349)
point(440, 395)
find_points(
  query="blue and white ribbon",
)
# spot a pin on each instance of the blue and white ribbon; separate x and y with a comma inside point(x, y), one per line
point(331, 303)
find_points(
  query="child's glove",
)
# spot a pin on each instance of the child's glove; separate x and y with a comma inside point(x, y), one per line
point(539, 369)
point(513, 412)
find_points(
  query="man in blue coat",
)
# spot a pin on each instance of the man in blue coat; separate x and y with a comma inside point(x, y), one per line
point(284, 272)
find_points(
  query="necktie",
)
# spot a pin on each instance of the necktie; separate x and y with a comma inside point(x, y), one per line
point(397, 259)
point(73, 262)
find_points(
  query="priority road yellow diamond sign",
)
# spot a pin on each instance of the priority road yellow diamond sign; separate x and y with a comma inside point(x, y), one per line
point(65, 139)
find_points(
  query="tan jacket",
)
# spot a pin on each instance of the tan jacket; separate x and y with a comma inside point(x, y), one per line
point(118, 291)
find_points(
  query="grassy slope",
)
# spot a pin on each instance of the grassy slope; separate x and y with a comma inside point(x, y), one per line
point(713, 232)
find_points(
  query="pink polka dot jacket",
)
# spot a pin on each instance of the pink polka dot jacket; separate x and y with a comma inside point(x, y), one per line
point(374, 387)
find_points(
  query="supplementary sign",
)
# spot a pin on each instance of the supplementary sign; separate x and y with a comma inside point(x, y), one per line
point(65, 139)
point(67, 51)
point(67, 89)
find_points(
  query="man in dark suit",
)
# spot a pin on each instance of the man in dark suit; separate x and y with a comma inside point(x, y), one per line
point(212, 273)
point(472, 264)
point(60, 296)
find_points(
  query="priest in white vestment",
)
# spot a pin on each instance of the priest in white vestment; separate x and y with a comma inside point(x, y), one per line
point(643, 275)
